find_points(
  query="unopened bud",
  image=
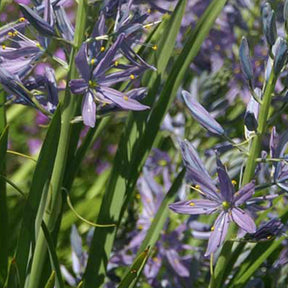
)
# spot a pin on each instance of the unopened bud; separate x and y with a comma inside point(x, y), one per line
point(280, 55)
point(269, 24)
point(245, 59)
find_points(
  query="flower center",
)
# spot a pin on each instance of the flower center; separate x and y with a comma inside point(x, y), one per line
point(92, 84)
point(225, 205)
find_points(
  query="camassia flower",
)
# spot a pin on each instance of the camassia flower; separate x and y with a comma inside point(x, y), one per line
point(218, 198)
point(95, 83)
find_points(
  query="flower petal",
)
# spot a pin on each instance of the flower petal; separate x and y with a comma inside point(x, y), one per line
point(121, 99)
point(82, 63)
point(243, 220)
point(194, 207)
point(218, 234)
point(201, 115)
point(244, 193)
point(175, 262)
point(89, 110)
point(226, 187)
point(78, 86)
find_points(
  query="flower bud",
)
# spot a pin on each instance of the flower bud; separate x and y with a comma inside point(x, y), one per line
point(269, 24)
point(252, 110)
point(245, 59)
point(280, 55)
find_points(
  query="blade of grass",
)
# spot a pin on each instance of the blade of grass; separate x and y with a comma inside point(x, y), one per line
point(51, 280)
point(134, 269)
point(135, 145)
point(53, 256)
point(41, 176)
point(4, 233)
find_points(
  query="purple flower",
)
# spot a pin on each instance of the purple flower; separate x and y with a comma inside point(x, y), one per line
point(221, 198)
point(94, 83)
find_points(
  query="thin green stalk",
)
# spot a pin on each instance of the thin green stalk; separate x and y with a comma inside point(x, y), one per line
point(224, 259)
point(3, 196)
point(69, 106)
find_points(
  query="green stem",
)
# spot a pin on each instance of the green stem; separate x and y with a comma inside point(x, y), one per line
point(224, 259)
point(69, 107)
point(3, 201)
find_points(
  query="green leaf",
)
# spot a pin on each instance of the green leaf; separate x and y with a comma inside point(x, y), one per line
point(137, 140)
point(51, 281)
point(134, 269)
point(40, 179)
point(4, 238)
point(53, 256)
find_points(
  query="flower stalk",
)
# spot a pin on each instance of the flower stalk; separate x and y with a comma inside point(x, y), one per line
point(254, 151)
point(69, 106)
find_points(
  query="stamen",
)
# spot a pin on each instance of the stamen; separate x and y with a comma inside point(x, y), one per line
point(22, 19)
point(225, 204)
point(3, 47)
point(93, 61)
point(125, 97)
point(116, 63)
point(212, 228)
point(102, 49)
point(155, 47)
point(234, 182)
point(132, 76)
point(192, 204)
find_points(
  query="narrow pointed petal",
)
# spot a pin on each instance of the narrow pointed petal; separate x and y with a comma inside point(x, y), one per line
point(121, 99)
point(191, 158)
point(36, 21)
point(243, 220)
point(89, 110)
point(244, 193)
point(194, 207)
point(64, 24)
point(218, 234)
point(206, 184)
point(78, 86)
point(13, 53)
point(226, 187)
point(175, 262)
point(51, 86)
point(82, 63)
point(107, 60)
point(201, 115)
point(48, 13)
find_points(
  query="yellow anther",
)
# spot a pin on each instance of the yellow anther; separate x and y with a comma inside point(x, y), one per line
point(162, 162)
point(15, 33)
point(257, 63)
point(155, 259)
point(138, 196)
point(269, 237)
point(218, 190)
point(125, 97)
point(102, 49)
point(237, 70)
point(149, 11)
point(155, 47)
point(140, 227)
point(197, 186)
point(212, 228)
point(92, 61)
point(225, 204)
point(234, 182)
point(10, 34)
point(116, 63)
point(132, 77)
point(3, 47)
point(22, 19)
point(192, 204)
point(92, 84)
point(38, 44)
